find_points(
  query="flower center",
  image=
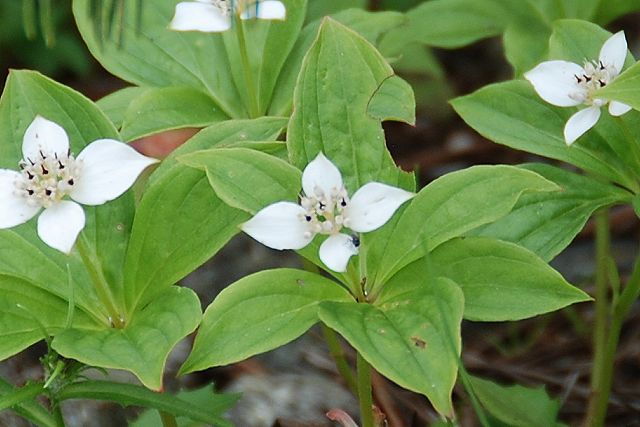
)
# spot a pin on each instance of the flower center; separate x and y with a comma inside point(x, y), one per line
point(596, 75)
point(325, 213)
point(48, 178)
point(224, 6)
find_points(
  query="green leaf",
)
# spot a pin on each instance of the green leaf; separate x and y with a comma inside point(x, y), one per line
point(456, 23)
point(525, 46)
point(115, 105)
point(128, 394)
point(393, 100)
point(279, 40)
point(448, 207)
point(29, 313)
point(160, 109)
point(247, 179)
point(516, 405)
point(545, 223)
point(205, 397)
point(258, 313)
point(180, 223)
point(143, 346)
point(576, 41)
point(512, 114)
point(501, 280)
point(370, 25)
point(152, 55)
point(412, 338)
point(625, 88)
point(609, 10)
point(319, 9)
point(330, 109)
point(31, 411)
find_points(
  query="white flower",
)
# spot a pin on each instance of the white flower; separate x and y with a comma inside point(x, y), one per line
point(49, 172)
point(217, 15)
point(325, 208)
point(566, 84)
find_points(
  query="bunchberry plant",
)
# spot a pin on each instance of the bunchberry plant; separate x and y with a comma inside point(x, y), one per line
point(291, 151)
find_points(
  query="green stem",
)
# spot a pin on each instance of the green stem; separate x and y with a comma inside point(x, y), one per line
point(601, 296)
point(336, 351)
point(57, 414)
point(599, 401)
point(168, 420)
point(254, 107)
point(103, 291)
point(364, 392)
point(468, 386)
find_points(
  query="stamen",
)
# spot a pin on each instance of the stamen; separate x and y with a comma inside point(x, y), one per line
point(70, 182)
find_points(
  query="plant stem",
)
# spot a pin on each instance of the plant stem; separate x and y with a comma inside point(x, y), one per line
point(601, 296)
point(364, 392)
point(475, 403)
point(335, 349)
point(600, 400)
point(57, 414)
point(254, 108)
point(103, 291)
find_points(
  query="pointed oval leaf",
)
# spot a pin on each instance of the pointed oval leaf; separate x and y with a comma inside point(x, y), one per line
point(143, 346)
point(502, 281)
point(180, 222)
point(330, 109)
point(546, 222)
point(258, 313)
point(448, 207)
point(512, 114)
point(160, 109)
point(412, 338)
point(247, 179)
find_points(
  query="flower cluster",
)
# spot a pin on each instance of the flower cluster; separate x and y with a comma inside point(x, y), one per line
point(49, 173)
point(217, 15)
point(566, 84)
point(325, 208)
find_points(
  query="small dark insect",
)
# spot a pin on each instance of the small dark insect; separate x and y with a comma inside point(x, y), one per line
point(356, 240)
point(418, 342)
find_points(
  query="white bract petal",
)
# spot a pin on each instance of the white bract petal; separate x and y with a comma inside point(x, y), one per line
point(44, 137)
point(580, 122)
point(618, 108)
point(109, 168)
point(555, 82)
point(59, 225)
point(281, 225)
point(200, 16)
point(614, 52)
point(321, 178)
point(14, 207)
point(372, 206)
point(336, 251)
point(268, 9)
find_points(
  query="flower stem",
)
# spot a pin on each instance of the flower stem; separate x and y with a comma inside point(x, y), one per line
point(92, 264)
point(600, 397)
point(336, 351)
point(601, 296)
point(254, 108)
point(364, 392)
